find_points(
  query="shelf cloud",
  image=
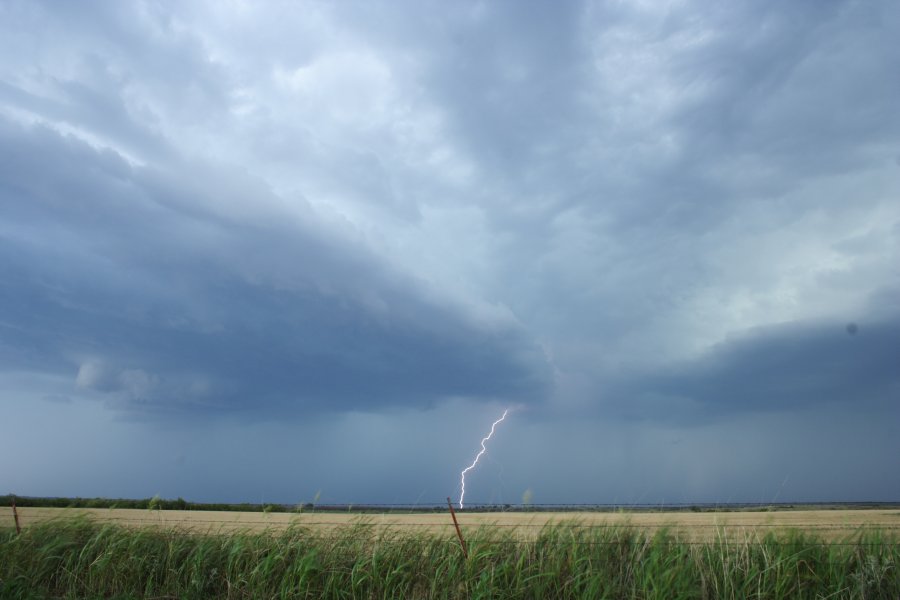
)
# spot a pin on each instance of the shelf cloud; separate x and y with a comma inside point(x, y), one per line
point(359, 231)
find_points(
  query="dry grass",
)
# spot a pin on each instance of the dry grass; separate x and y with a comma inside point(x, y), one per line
point(705, 526)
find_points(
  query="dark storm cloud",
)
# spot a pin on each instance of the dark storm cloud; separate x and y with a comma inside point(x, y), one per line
point(161, 299)
point(619, 152)
point(651, 222)
point(614, 154)
point(780, 368)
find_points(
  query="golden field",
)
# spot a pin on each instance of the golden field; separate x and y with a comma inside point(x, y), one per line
point(829, 524)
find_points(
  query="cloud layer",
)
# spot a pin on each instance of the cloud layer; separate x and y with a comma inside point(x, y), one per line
point(619, 217)
point(151, 293)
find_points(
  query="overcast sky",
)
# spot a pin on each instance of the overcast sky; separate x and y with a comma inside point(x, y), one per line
point(274, 251)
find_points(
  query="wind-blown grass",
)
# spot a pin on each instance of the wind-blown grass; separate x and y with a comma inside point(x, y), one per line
point(81, 559)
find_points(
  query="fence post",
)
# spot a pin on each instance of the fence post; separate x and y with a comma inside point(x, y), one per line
point(462, 542)
point(16, 516)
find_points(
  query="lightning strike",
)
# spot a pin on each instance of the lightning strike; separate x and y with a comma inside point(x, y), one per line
point(462, 476)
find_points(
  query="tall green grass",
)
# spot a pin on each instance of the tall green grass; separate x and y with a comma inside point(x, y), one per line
point(81, 559)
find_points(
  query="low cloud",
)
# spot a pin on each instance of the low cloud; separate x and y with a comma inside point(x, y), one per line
point(158, 297)
point(778, 368)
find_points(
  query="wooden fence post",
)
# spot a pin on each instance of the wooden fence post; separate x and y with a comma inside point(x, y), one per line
point(16, 516)
point(462, 542)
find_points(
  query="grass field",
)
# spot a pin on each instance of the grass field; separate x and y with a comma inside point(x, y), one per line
point(827, 524)
point(109, 553)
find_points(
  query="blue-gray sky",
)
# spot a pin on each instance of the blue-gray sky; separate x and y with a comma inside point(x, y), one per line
point(264, 251)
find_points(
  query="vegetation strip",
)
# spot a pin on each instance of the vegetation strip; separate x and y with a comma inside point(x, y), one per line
point(369, 507)
point(78, 558)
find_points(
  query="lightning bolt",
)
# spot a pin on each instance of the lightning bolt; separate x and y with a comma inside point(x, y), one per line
point(462, 476)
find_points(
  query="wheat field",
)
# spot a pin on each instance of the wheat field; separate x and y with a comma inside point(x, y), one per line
point(140, 553)
point(695, 526)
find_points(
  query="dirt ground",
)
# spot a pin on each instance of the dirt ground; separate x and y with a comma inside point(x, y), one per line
point(829, 524)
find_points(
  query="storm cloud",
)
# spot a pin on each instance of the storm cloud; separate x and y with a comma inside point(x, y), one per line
point(351, 234)
point(116, 273)
point(778, 368)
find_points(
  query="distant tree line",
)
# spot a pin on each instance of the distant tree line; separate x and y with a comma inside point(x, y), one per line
point(144, 503)
point(157, 503)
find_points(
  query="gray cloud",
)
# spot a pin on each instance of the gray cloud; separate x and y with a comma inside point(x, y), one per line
point(778, 368)
point(147, 292)
point(382, 220)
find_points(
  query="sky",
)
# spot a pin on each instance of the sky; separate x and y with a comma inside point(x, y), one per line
point(297, 251)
